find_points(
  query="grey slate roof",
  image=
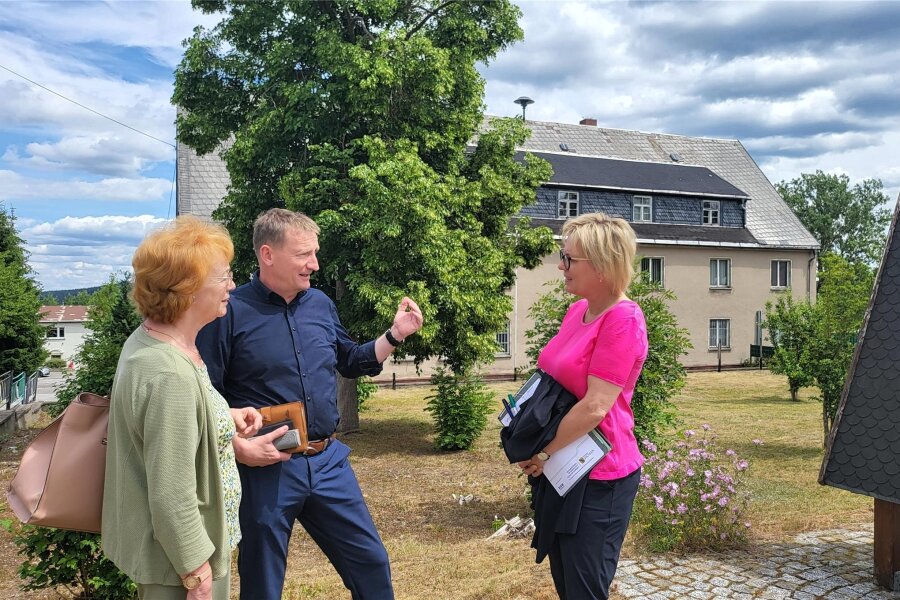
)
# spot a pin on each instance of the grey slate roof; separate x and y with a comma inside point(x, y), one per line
point(863, 450)
point(661, 233)
point(769, 219)
point(637, 176)
point(203, 180)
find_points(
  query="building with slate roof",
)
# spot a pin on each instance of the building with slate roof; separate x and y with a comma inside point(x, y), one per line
point(710, 227)
point(862, 453)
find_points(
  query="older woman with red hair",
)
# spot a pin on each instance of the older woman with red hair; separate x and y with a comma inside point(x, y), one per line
point(170, 506)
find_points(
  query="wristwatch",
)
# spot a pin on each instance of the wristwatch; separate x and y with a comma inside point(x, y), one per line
point(192, 582)
point(391, 339)
point(543, 456)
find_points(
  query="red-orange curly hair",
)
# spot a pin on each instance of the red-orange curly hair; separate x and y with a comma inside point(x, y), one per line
point(173, 262)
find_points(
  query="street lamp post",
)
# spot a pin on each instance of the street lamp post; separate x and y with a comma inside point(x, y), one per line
point(523, 101)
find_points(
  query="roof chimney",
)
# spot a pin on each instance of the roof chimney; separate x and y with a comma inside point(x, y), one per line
point(588, 121)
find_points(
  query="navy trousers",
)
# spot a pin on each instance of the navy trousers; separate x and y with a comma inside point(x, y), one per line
point(322, 493)
point(583, 564)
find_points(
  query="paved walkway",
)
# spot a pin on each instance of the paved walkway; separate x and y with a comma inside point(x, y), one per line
point(834, 564)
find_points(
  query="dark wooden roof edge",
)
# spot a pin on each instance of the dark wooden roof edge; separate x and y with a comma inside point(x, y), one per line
point(854, 363)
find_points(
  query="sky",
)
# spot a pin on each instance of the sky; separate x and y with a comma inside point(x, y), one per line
point(805, 86)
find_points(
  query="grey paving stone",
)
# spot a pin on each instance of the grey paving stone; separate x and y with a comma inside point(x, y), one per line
point(775, 593)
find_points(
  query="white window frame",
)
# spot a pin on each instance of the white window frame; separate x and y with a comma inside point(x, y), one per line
point(662, 267)
point(718, 284)
point(56, 332)
point(566, 204)
point(775, 271)
point(504, 347)
point(712, 213)
point(642, 209)
point(718, 329)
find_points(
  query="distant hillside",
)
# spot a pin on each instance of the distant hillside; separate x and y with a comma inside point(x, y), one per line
point(56, 297)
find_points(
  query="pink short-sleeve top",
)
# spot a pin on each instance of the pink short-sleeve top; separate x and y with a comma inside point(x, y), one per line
point(612, 347)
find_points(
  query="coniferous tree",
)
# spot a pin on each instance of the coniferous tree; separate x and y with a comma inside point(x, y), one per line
point(21, 333)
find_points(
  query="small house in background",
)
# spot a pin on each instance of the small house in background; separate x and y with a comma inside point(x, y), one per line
point(862, 453)
point(710, 226)
point(65, 329)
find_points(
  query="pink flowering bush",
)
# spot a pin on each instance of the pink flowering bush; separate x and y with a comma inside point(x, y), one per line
point(691, 496)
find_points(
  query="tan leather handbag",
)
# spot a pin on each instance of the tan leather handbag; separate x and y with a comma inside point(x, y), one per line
point(60, 479)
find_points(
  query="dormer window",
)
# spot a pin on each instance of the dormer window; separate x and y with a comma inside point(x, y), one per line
point(710, 212)
point(568, 205)
point(642, 209)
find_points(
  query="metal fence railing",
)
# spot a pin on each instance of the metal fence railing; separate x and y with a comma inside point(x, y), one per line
point(16, 390)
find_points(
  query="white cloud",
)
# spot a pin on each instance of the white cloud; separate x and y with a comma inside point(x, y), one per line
point(83, 252)
point(103, 154)
point(15, 187)
point(158, 27)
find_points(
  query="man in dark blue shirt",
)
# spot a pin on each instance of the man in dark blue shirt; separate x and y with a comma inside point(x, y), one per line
point(279, 342)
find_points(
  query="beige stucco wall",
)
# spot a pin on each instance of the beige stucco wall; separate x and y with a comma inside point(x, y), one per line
point(68, 346)
point(686, 273)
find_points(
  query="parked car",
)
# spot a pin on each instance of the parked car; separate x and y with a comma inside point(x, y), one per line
point(44, 371)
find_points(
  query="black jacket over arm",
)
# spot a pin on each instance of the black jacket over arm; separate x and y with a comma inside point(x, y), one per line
point(526, 435)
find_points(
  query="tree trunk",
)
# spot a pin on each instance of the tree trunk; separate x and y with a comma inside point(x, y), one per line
point(347, 405)
point(347, 402)
point(794, 394)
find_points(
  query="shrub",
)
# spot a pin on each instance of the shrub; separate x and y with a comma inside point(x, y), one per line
point(55, 363)
point(55, 557)
point(365, 389)
point(690, 500)
point(459, 408)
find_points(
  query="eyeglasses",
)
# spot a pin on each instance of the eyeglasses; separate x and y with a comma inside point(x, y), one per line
point(567, 260)
point(228, 276)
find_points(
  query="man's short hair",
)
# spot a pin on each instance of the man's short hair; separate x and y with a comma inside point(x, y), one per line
point(609, 243)
point(271, 226)
point(173, 262)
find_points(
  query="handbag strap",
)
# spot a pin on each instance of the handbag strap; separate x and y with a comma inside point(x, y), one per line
point(91, 399)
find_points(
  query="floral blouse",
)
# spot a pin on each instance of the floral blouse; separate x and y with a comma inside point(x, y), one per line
point(231, 481)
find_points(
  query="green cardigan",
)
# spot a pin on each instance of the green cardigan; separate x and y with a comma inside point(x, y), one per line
point(163, 501)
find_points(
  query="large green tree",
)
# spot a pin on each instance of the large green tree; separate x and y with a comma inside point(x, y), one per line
point(848, 221)
point(21, 333)
point(360, 114)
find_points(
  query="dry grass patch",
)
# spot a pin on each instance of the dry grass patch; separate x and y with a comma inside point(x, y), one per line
point(439, 549)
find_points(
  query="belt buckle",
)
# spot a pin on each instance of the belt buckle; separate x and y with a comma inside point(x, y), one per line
point(324, 443)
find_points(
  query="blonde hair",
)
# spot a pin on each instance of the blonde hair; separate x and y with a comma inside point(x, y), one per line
point(271, 226)
point(608, 242)
point(173, 262)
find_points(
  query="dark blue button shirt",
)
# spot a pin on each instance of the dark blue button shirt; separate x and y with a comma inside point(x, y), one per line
point(266, 351)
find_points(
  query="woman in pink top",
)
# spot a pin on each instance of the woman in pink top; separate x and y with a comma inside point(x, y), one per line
point(597, 355)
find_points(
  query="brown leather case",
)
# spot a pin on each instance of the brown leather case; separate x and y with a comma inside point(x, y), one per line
point(294, 412)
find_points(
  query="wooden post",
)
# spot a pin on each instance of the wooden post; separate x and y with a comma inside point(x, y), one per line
point(887, 544)
point(719, 353)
